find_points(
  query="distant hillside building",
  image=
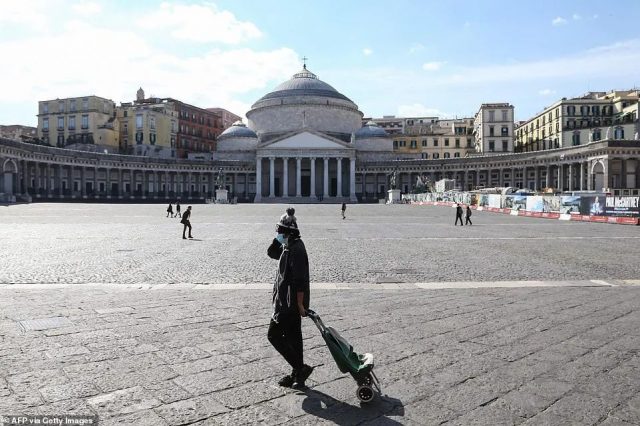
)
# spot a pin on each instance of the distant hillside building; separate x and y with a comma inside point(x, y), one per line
point(86, 123)
point(493, 128)
point(577, 121)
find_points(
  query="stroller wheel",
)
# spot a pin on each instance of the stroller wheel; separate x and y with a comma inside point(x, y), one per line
point(365, 393)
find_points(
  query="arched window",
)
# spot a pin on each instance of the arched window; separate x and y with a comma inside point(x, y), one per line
point(618, 133)
point(446, 155)
point(456, 155)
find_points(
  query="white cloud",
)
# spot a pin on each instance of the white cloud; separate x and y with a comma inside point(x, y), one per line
point(366, 51)
point(416, 47)
point(31, 14)
point(559, 21)
point(419, 110)
point(202, 23)
point(87, 8)
point(114, 63)
point(432, 66)
point(546, 92)
point(576, 17)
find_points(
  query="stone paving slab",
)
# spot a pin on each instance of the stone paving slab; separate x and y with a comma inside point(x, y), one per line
point(181, 355)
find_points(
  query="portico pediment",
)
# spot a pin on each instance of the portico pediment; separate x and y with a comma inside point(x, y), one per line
point(305, 140)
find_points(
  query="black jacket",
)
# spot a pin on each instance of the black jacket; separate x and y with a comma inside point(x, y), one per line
point(186, 216)
point(292, 277)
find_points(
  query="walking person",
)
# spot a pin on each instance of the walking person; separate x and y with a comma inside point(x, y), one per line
point(467, 220)
point(290, 299)
point(458, 215)
point(170, 210)
point(344, 209)
point(187, 224)
point(178, 209)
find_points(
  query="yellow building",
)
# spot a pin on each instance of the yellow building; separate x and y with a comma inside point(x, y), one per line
point(148, 127)
point(87, 123)
point(577, 121)
point(439, 139)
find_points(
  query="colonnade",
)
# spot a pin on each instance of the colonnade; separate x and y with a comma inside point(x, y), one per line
point(305, 180)
point(52, 180)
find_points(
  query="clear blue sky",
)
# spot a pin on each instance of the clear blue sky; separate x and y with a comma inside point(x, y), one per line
point(400, 58)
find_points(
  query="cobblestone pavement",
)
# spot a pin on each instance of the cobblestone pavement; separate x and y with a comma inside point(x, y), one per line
point(199, 355)
point(105, 310)
point(84, 243)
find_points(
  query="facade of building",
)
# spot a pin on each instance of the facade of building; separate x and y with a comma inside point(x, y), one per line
point(148, 128)
point(435, 139)
point(305, 142)
point(494, 128)
point(19, 132)
point(86, 123)
point(198, 128)
point(575, 121)
point(227, 117)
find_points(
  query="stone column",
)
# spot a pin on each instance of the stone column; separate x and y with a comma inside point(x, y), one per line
point(536, 176)
point(313, 177)
point(58, 179)
point(589, 177)
point(298, 177)
point(339, 186)
point(258, 196)
point(581, 186)
point(47, 181)
point(120, 183)
point(83, 182)
point(285, 177)
point(36, 186)
point(513, 177)
point(560, 177)
point(525, 180)
point(477, 172)
point(623, 174)
point(25, 177)
point(501, 171)
point(325, 188)
point(166, 184)
point(132, 182)
point(607, 164)
point(547, 178)
point(95, 181)
point(272, 176)
point(107, 185)
point(352, 180)
point(246, 185)
point(570, 176)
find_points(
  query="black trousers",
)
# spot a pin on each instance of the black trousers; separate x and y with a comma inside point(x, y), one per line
point(458, 217)
point(468, 220)
point(186, 224)
point(286, 337)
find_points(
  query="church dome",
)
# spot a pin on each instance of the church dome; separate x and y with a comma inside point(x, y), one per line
point(238, 130)
point(304, 83)
point(371, 130)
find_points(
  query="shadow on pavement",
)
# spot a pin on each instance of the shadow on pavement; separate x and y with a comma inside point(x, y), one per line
point(345, 414)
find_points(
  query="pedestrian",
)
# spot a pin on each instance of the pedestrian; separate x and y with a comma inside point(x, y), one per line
point(344, 209)
point(468, 216)
point(187, 224)
point(290, 299)
point(178, 209)
point(458, 214)
point(170, 210)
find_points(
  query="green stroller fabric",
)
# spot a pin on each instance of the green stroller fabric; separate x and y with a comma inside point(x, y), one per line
point(347, 360)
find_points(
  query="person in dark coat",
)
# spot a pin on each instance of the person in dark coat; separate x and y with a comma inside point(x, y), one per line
point(459, 215)
point(344, 209)
point(468, 216)
point(290, 299)
point(178, 209)
point(187, 224)
point(170, 210)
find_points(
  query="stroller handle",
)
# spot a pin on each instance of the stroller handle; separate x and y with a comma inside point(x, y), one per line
point(312, 314)
point(316, 320)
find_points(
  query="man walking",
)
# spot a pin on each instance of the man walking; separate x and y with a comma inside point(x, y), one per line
point(178, 209)
point(458, 215)
point(468, 216)
point(170, 210)
point(290, 299)
point(187, 224)
point(344, 209)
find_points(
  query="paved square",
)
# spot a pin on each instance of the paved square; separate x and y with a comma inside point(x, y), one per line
point(106, 311)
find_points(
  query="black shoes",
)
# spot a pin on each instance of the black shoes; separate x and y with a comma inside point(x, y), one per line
point(184, 238)
point(190, 236)
point(288, 380)
point(303, 375)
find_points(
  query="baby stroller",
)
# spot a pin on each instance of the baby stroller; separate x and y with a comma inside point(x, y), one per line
point(359, 366)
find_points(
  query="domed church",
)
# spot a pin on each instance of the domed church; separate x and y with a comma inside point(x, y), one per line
point(305, 138)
